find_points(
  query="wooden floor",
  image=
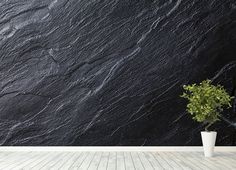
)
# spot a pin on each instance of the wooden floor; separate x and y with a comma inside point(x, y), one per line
point(115, 160)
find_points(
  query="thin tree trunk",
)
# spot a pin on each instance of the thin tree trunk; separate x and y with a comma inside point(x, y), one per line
point(206, 128)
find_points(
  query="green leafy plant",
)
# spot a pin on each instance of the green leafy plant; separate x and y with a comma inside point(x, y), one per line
point(206, 101)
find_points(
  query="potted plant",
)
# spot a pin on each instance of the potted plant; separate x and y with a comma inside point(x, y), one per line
point(205, 102)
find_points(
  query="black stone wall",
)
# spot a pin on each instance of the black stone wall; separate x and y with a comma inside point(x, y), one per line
point(110, 72)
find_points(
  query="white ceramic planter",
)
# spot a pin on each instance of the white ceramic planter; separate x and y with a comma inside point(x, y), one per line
point(208, 141)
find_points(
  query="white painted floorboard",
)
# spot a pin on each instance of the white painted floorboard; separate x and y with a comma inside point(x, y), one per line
point(68, 160)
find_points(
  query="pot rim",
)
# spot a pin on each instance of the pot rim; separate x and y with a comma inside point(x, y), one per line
point(208, 132)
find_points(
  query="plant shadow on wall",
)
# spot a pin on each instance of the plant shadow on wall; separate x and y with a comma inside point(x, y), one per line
point(205, 103)
point(233, 116)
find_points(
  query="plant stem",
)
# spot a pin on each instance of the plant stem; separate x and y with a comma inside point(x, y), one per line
point(206, 128)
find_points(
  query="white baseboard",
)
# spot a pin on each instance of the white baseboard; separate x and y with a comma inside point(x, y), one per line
point(116, 148)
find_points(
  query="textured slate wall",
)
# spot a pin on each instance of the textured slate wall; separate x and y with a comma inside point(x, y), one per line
point(109, 72)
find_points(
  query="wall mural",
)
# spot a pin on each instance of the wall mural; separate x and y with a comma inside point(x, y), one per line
point(110, 72)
